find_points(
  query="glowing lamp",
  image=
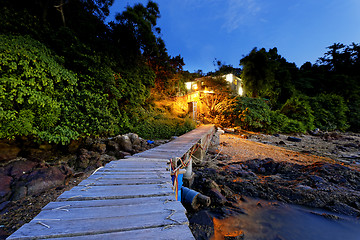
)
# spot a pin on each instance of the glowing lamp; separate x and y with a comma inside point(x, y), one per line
point(188, 85)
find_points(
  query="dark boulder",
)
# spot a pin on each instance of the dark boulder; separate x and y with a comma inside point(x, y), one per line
point(201, 224)
point(19, 168)
point(44, 179)
point(124, 142)
point(294, 139)
point(5, 187)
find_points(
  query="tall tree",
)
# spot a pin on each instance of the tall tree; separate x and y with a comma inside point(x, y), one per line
point(257, 73)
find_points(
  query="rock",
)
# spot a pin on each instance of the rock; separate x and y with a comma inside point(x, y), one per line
point(216, 197)
point(99, 147)
point(8, 151)
point(228, 193)
point(5, 187)
point(84, 158)
point(281, 143)
point(87, 158)
point(21, 167)
point(304, 187)
point(66, 170)
point(211, 184)
point(70, 160)
point(294, 139)
point(315, 132)
point(104, 158)
point(342, 208)
point(124, 143)
point(44, 179)
point(112, 146)
point(134, 138)
point(117, 154)
point(202, 225)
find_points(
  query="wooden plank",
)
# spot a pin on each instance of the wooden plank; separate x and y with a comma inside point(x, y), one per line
point(143, 172)
point(118, 191)
point(69, 213)
point(110, 202)
point(173, 232)
point(91, 226)
point(119, 176)
point(146, 159)
point(126, 181)
point(155, 155)
point(133, 166)
point(137, 162)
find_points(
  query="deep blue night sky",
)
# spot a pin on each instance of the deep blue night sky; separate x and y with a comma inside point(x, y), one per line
point(202, 30)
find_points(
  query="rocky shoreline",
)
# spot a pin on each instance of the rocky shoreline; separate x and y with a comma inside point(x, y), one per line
point(325, 185)
point(38, 174)
point(31, 174)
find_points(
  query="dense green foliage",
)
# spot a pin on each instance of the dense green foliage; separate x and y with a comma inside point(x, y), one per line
point(157, 124)
point(251, 113)
point(33, 87)
point(65, 73)
point(330, 89)
point(330, 112)
point(298, 108)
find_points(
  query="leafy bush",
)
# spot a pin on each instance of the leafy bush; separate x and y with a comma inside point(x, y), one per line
point(278, 122)
point(251, 113)
point(33, 84)
point(283, 124)
point(298, 108)
point(330, 112)
point(294, 126)
point(156, 124)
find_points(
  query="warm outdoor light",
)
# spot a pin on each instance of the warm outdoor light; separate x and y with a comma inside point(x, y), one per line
point(229, 78)
point(240, 91)
point(188, 85)
point(195, 87)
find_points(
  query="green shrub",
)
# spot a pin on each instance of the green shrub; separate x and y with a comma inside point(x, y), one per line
point(281, 123)
point(278, 122)
point(330, 112)
point(33, 84)
point(298, 108)
point(294, 126)
point(251, 114)
point(154, 125)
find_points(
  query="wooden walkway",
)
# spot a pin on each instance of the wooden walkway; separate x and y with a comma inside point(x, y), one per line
point(127, 199)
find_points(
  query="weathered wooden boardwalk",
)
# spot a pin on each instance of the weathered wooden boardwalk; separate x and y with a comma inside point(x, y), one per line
point(127, 199)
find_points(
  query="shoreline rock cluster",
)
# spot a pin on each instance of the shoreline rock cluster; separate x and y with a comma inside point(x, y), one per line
point(327, 186)
point(28, 168)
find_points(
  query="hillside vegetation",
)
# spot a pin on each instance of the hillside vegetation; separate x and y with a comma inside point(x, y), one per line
point(280, 97)
point(67, 74)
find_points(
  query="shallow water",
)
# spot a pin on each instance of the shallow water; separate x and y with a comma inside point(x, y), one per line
point(266, 220)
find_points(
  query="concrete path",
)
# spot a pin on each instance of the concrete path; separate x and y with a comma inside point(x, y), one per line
point(127, 199)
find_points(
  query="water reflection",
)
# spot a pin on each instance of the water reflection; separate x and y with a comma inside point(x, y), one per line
point(266, 220)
